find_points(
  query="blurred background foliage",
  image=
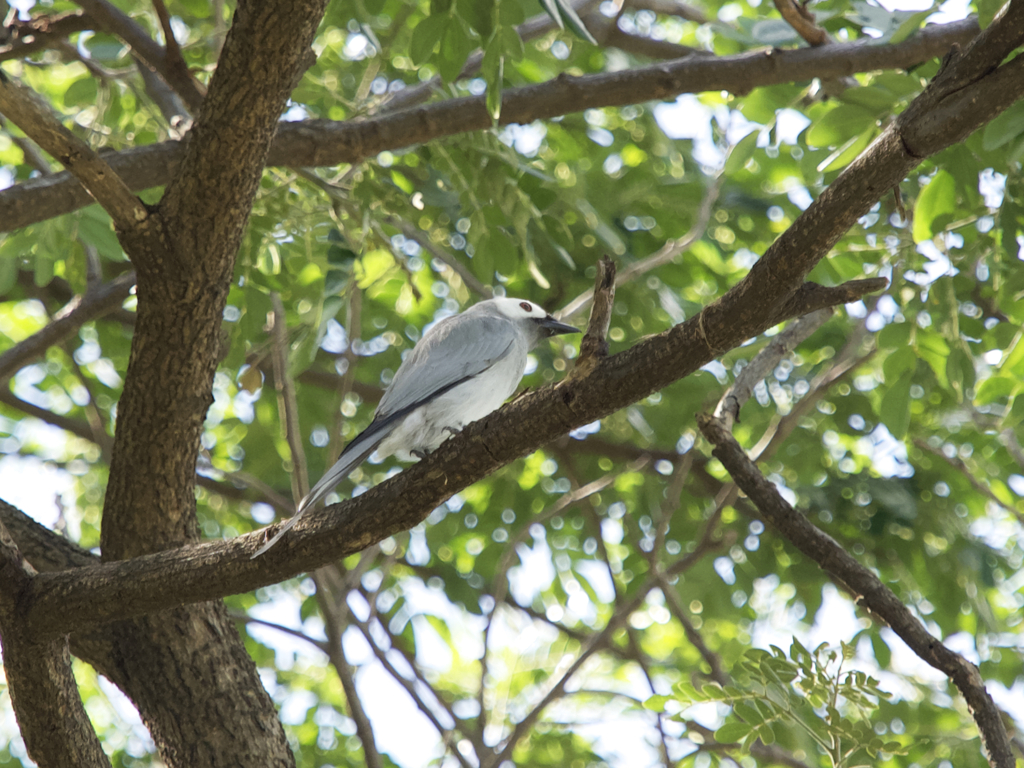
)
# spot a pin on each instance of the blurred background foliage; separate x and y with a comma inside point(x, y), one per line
point(616, 564)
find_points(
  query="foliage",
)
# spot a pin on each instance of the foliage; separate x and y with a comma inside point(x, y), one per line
point(803, 692)
point(895, 427)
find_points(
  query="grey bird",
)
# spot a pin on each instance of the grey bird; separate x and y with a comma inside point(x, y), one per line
point(462, 369)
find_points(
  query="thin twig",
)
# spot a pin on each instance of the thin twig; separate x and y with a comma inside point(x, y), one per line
point(803, 22)
point(334, 611)
point(244, 618)
point(958, 464)
point(446, 734)
point(442, 255)
point(662, 256)
point(766, 361)
point(66, 323)
point(113, 20)
point(286, 402)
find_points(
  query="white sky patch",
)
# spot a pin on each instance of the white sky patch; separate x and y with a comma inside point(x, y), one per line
point(888, 455)
point(32, 485)
point(789, 124)
point(535, 572)
point(937, 265)
point(992, 185)
point(688, 118)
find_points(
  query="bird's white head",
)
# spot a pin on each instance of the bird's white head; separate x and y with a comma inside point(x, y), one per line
point(518, 309)
point(522, 312)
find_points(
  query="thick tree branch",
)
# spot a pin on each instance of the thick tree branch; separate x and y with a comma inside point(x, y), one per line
point(325, 143)
point(184, 266)
point(184, 262)
point(43, 691)
point(93, 596)
point(24, 108)
point(866, 588)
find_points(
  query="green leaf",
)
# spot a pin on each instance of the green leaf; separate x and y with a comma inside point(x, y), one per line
point(741, 153)
point(751, 715)
point(551, 7)
point(96, 229)
point(798, 653)
point(510, 14)
point(937, 199)
point(839, 125)
point(895, 335)
point(883, 654)
point(479, 14)
point(987, 10)
point(426, 35)
point(81, 92)
point(910, 26)
point(493, 71)
point(1006, 127)
point(511, 44)
point(871, 97)
point(200, 9)
point(774, 32)
point(899, 362)
point(847, 153)
point(574, 21)
point(732, 732)
point(960, 371)
point(996, 388)
point(456, 45)
point(657, 703)
point(505, 254)
point(42, 267)
point(895, 409)
point(8, 273)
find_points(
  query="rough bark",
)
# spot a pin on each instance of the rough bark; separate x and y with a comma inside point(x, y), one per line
point(38, 673)
point(186, 669)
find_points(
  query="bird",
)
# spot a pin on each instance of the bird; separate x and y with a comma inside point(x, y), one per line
point(461, 370)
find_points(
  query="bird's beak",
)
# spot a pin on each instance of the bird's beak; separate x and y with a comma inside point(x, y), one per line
point(553, 327)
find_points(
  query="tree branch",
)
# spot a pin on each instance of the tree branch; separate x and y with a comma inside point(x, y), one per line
point(324, 143)
point(44, 694)
point(866, 588)
point(24, 108)
point(40, 33)
point(67, 322)
point(765, 361)
point(111, 19)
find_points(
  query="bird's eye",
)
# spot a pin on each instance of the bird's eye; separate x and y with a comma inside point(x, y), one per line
point(526, 306)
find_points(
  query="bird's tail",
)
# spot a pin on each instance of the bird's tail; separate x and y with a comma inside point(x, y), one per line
point(355, 453)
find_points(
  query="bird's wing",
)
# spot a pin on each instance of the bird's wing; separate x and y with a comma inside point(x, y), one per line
point(453, 351)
